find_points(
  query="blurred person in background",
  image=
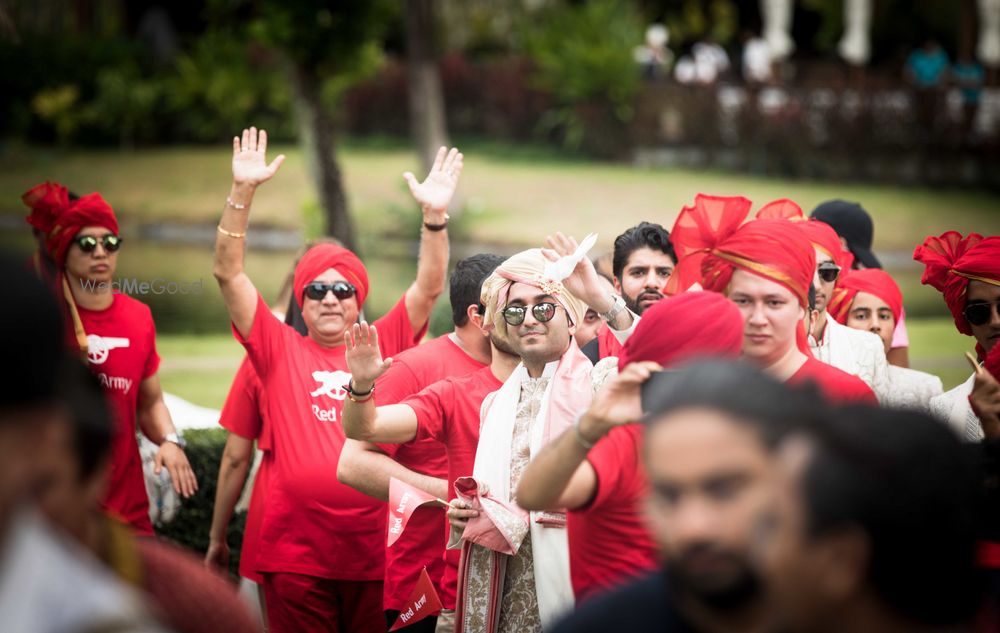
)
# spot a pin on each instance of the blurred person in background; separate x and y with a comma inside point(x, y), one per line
point(180, 592)
point(48, 584)
point(709, 433)
point(873, 527)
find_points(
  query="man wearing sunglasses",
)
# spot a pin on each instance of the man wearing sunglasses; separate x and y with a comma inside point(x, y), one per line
point(321, 548)
point(532, 316)
point(966, 270)
point(853, 351)
point(117, 335)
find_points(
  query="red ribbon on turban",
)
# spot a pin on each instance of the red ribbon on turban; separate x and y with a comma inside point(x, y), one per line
point(685, 327)
point(874, 281)
point(951, 261)
point(697, 231)
point(821, 234)
point(60, 219)
point(322, 256)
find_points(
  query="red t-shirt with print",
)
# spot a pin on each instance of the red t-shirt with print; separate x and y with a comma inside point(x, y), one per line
point(608, 539)
point(448, 411)
point(121, 343)
point(313, 524)
point(423, 543)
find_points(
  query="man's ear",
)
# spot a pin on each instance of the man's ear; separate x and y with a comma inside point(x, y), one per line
point(472, 313)
point(618, 286)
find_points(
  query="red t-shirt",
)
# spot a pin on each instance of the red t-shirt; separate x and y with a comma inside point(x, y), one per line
point(607, 344)
point(423, 543)
point(313, 524)
point(608, 540)
point(122, 353)
point(241, 415)
point(448, 411)
point(838, 386)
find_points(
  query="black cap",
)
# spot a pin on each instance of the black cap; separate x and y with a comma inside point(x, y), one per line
point(33, 333)
point(851, 222)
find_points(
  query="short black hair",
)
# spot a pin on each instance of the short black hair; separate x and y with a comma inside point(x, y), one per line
point(811, 296)
point(904, 479)
point(736, 388)
point(642, 235)
point(90, 419)
point(467, 284)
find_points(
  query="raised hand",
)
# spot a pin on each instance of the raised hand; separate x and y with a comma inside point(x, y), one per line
point(364, 359)
point(618, 402)
point(436, 191)
point(249, 164)
point(583, 283)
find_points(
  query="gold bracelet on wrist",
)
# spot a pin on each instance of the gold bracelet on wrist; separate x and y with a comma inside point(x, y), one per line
point(229, 233)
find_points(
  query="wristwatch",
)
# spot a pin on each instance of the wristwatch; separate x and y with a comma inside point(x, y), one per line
point(617, 305)
point(173, 437)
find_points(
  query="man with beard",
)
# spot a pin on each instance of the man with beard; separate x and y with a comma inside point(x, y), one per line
point(873, 528)
point(710, 430)
point(533, 315)
point(966, 270)
point(642, 262)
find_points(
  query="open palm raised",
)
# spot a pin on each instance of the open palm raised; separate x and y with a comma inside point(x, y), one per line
point(436, 191)
point(249, 164)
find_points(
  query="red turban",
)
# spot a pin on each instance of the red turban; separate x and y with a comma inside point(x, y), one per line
point(992, 362)
point(688, 326)
point(951, 261)
point(774, 249)
point(696, 232)
point(322, 256)
point(874, 281)
point(60, 219)
point(819, 233)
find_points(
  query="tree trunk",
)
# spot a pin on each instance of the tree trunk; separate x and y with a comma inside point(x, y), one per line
point(427, 121)
point(316, 138)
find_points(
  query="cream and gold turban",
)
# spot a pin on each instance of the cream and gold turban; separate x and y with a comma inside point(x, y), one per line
point(527, 267)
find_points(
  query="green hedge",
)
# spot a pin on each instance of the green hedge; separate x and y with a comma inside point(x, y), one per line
point(190, 527)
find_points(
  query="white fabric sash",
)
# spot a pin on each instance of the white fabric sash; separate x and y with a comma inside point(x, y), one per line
point(550, 546)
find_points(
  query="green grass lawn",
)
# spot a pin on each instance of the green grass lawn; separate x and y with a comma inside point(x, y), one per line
point(201, 368)
point(511, 196)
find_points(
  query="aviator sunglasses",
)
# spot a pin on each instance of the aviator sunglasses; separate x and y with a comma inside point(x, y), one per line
point(544, 311)
point(828, 271)
point(88, 243)
point(979, 313)
point(341, 289)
